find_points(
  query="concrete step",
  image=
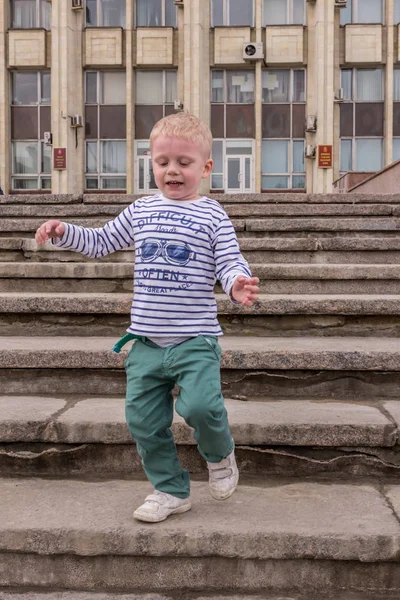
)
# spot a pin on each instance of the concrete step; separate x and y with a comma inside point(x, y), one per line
point(79, 436)
point(66, 534)
point(271, 209)
point(40, 314)
point(34, 595)
point(287, 367)
point(267, 226)
point(279, 278)
point(256, 250)
point(374, 251)
point(276, 198)
point(367, 354)
point(101, 420)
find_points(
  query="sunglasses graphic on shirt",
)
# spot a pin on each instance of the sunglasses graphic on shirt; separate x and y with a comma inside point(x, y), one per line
point(174, 253)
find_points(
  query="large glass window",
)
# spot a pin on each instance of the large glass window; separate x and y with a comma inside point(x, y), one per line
point(105, 13)
point(362, 120)
point(232, 12)
point(30, 119)
point(362, 11)
point(232, 103)
point(283, 129)
point(156, 92)
point(155, 13)
point(284, 12)
point(105, 130)
point(27, 14)
point(396, 12)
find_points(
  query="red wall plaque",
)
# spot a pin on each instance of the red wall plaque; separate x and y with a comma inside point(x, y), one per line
point(324, 157)
point(60, 158)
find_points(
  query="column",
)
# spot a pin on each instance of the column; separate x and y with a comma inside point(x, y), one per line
point(196, 72)
point(388, 89)
point(258, 100)
point(320, 89)
point(196, 59)
point(130, 100)
point(67, 95)
point(5, 137)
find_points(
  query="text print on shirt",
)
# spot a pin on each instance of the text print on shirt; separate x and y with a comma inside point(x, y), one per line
point(173, 217)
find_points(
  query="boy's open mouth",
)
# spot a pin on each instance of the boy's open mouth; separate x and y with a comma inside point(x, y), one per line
point(174, 184)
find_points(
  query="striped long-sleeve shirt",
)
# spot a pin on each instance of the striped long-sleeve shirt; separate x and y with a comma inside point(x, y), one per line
point(181, 248)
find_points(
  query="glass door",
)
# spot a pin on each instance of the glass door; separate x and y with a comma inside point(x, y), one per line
point(233, 170)
point(238, 171)
point(145, 176)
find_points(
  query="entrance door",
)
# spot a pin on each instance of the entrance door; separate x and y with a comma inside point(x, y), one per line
point(238, 174)
point(145, 176)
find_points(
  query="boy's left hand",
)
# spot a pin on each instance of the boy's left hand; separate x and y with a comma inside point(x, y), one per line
point(245, 290)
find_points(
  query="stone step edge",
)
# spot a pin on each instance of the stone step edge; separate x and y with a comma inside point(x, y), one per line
point(272, 271)
point(235, 210)
point(247, 244)
point(285, 520)
point(222, 198)
point(101, 420)
point(5, 594)
point(238, 353)
point(267, 304)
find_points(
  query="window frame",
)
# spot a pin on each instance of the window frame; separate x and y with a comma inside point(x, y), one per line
point(289, 13)
point(224, 103)
point(40, 175)
point(290, 173)
point(249, 142)
point(354, 11)
point(164, 86)
point(353, 100)
point(99, 174)
point(225, 15)
point(99, 17)
point(291, 84)
point(38, 23)
point(163, 14)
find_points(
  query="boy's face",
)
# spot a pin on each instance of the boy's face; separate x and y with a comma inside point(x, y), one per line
point(179, 166)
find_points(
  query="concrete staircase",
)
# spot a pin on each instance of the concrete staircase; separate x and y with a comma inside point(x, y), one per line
point(312, 381)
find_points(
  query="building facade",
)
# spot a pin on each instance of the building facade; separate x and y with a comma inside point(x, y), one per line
point(82, 83)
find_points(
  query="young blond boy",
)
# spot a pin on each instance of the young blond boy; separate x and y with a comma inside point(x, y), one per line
point(183, 242)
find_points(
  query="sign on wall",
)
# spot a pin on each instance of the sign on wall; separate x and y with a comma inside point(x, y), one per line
point(60, 158)
point(324, 157)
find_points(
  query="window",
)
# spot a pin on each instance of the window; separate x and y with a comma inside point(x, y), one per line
point(362, 11)
point(27, 14)
point(232, 12)
point(284, 12)
point(105, 13)
point(156, 92)
point(105, 130)
point(396, 12)
point(396, 114)
point(283, 129)
point(30, 118)
point(361, 120)
point(155, 13)
point(232, 104)
point(396, 149)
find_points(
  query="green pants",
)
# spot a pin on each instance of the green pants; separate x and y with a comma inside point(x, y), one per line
point(152, 372)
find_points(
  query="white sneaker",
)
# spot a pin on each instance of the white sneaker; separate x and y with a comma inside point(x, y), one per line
point(223, 477)
point(159, 505)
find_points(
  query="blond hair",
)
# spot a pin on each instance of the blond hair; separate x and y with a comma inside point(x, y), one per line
point(186, 127)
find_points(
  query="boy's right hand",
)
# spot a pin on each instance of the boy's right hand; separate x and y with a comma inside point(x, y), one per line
point(50, 229)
